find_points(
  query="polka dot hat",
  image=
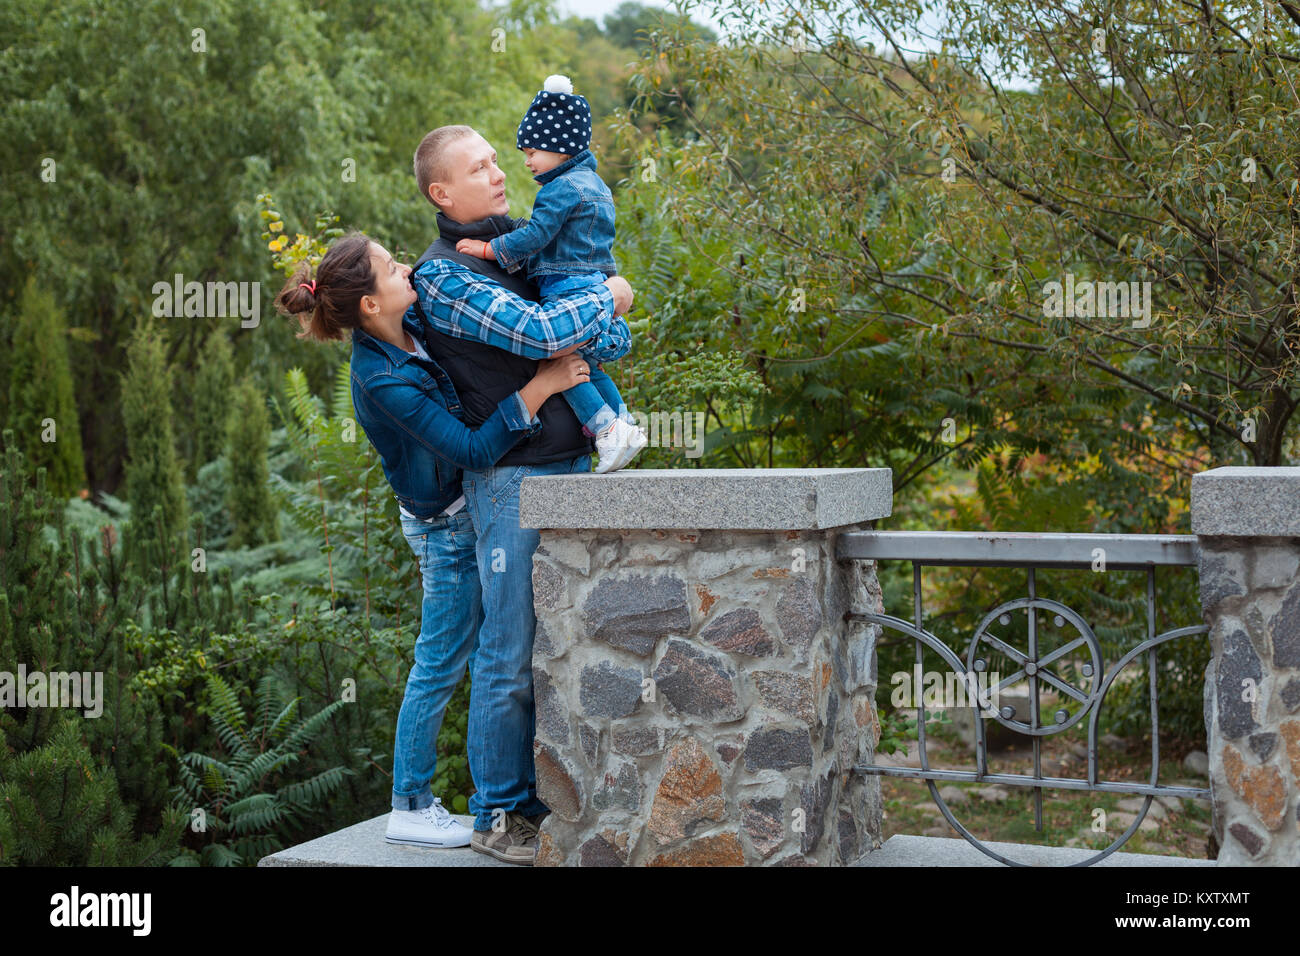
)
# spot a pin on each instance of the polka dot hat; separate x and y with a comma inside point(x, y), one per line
point(559, 120)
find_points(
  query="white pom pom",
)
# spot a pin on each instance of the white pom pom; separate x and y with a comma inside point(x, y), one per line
point(558, 83)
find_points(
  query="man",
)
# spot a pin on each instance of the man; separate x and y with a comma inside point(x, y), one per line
point(489, 347)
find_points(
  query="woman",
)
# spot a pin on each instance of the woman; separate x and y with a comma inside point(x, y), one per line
point(405, 405)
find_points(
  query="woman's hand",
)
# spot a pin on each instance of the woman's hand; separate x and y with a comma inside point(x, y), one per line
point(559, 374)
point(554, 375)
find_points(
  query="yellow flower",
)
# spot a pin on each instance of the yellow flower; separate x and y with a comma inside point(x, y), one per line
point(275, 226)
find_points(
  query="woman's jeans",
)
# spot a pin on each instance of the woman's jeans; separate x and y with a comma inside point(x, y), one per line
point(451, 614)
point(597, 402)
point(501, 715)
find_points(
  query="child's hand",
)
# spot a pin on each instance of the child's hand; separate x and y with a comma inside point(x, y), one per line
point(477, 248)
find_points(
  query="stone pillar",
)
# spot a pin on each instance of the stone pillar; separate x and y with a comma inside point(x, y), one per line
point(1248, 523)
point(700, 697)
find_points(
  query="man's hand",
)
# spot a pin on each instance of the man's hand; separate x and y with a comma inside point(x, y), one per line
point(477, 248)
point(622, 293)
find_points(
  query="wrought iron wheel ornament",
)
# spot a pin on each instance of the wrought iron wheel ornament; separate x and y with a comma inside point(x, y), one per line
point(1036, 666)
point(1087, 694)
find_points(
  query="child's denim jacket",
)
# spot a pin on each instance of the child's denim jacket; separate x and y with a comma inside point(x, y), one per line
point(571, 229)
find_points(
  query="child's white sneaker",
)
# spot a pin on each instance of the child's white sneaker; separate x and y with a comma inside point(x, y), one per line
point(618, 444)
point(431, 826)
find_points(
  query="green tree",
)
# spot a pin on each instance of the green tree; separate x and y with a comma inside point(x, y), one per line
point(59, 806)
point(77, 786)
point(120, 177)
point(214, 383)
point(252, 508)
point(930, 199)
point(153, 473)
point(631, 25)
point(41, 391)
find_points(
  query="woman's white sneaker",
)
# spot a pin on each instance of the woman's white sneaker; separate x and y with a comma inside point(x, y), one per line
point(432, 826)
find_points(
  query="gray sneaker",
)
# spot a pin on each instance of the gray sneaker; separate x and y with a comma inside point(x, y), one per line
point(517, 843)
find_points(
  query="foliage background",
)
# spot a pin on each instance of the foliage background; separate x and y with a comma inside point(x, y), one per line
point(210, 529)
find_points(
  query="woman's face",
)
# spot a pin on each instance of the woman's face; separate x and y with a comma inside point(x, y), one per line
point(393, 292)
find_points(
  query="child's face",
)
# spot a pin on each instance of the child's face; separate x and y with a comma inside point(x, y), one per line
point(540, 160)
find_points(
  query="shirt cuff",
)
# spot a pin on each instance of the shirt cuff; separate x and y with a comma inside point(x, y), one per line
point(523, 411)
point(502, 255)
point(606, 296)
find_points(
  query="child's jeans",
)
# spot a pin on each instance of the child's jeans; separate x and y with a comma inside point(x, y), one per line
point(598, 402)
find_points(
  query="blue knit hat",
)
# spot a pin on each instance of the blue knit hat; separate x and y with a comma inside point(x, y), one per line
point(559, 120)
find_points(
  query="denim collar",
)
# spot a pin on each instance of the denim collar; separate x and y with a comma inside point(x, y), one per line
point(573, 162)
point(397, 355)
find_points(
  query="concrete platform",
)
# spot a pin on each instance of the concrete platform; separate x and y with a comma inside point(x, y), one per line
point(362, 844)
point(904, 850)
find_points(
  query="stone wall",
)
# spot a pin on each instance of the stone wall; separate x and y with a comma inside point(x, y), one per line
point(1248, 523)
point(700, 698)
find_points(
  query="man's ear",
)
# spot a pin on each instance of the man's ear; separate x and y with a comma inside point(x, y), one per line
point(438, 194)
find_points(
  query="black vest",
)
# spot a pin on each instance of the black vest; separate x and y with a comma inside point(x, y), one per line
point(484, 375)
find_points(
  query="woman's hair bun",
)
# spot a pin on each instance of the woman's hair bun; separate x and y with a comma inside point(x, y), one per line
point(296, 298)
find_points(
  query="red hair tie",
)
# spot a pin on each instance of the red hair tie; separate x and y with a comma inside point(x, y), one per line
point(310, 287)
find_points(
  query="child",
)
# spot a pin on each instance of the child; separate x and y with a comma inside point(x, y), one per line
point(568, 247)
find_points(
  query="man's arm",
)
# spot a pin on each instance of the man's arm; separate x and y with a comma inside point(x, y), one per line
point(551, 208)
point(465, 305)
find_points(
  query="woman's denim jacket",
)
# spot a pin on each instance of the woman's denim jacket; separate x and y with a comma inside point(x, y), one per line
point(571, 229)
point(410, 412)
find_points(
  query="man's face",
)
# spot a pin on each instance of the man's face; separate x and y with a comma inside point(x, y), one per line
point(475, 187)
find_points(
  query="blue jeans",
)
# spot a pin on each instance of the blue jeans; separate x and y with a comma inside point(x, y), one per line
point(596, 403)
point(501, 716)
point(451, 614)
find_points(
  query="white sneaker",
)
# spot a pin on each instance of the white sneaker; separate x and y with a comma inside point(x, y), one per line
point(618, 444)
point(432, 826)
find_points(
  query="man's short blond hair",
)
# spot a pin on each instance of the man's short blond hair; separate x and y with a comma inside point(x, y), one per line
point(431, 156)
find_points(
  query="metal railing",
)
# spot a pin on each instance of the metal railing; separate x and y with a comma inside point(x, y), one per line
point(1034, 665)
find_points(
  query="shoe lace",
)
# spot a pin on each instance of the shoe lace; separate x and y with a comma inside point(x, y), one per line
point(520, 827)
point(437, 812)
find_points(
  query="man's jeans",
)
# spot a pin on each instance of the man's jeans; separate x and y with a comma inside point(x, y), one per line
point(501, 717)
point(450, 617)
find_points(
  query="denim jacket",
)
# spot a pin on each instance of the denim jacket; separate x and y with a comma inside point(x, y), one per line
point(571, 229)
point(410, 412)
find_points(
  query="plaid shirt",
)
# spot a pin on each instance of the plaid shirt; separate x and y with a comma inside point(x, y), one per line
point(461, 303)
